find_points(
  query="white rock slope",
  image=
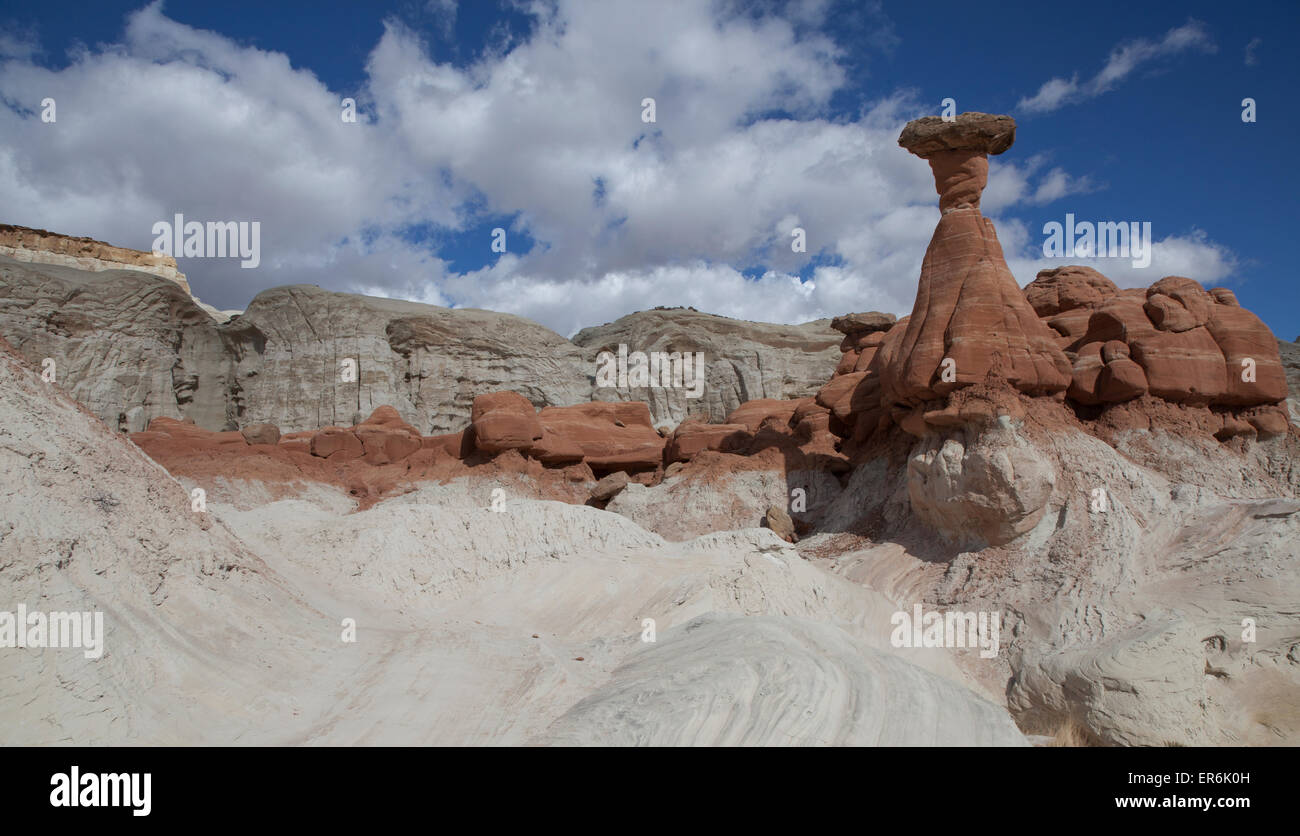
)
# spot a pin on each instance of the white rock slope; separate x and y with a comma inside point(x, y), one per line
point(472, 626)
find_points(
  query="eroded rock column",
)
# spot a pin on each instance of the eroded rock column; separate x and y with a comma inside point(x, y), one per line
point(970, 318)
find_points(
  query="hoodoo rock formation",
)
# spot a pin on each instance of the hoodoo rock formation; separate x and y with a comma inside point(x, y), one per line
point(970, 313)
point(1071, 334)
point(970, 319)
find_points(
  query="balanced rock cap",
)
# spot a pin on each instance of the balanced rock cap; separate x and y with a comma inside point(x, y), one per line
point(980, 132)
point(863, 323)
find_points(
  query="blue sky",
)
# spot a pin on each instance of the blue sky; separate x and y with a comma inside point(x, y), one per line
point(527, 116)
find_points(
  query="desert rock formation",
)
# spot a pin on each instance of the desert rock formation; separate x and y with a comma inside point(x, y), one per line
point(1070, 334)
point(134, 348)
point(1109, 472)
point(40, 246)
point(745, 361)
point(128, 345)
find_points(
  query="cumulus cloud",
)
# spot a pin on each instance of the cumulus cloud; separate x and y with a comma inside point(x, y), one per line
point(1191, 254)
point(1122, 62)
point(1012, 184)
point(546, 132)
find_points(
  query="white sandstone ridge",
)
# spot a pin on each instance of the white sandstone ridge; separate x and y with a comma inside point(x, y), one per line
point(39, 246)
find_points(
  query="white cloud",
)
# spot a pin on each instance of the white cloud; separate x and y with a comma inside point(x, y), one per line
point(175, 119)
point(1122, 62)
point(1192, 255)
point(1012, 184)
point(1057, 184)
point(1054, 93)
point(444, 11)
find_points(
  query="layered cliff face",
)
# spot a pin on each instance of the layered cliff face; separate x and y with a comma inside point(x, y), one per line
point(39, 246)
point(128, 345)
point(291, 351)
point(133, 348)
point(744, 361)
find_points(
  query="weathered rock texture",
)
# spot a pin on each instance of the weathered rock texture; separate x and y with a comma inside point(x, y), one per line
point(1175, 340)
point(134, 348)
point(478, 624)
point(378, 458)
point(288, 351)
point(1290, 356)
point(1123, 574)
point(744, 361)
point(128, 345)
point(992, 484)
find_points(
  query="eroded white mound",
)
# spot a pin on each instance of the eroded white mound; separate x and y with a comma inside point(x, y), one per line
point(472, 626)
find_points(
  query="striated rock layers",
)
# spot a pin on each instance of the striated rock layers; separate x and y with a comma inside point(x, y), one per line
point(970, 314)
point(127, 345)
point(970, 319)
point(43, 247)
point(743, 360)
point(560, 448)
point(302, 357)
point(133, 347)
point(1175, 340)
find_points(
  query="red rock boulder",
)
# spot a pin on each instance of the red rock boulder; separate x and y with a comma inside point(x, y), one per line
point(1253, 366)
point(752, 414)
point(504, 421)
point(611, 435)
point(336, 444)
point(386, 438)
point(694, 437)
point(261, 433)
